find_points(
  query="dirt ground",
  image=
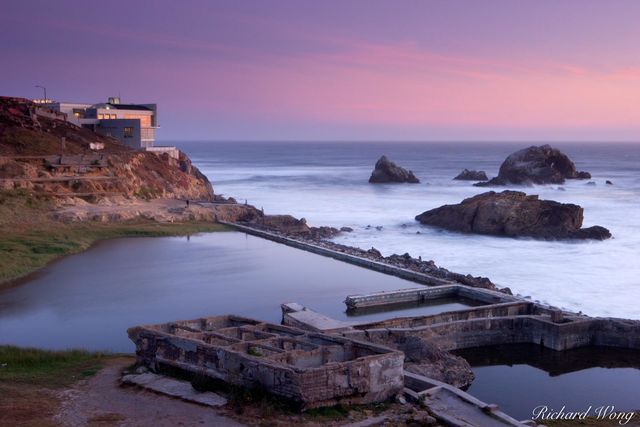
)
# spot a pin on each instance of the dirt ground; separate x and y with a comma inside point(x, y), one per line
point(100, 401)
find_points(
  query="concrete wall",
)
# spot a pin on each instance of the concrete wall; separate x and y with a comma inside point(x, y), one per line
point(403, 273)
point(485, 331)
point(171, 151)
point(381, 299)
point(498, 310)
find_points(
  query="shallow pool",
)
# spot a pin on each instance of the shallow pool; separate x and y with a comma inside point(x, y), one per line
point(520, 378)
point(409, 309)
point(90, 299)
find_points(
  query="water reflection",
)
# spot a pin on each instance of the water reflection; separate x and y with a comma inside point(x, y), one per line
point(89, 300)
point(521, 377)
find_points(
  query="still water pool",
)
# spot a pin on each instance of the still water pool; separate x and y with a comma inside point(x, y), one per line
point(90, 299)
point(520, 378)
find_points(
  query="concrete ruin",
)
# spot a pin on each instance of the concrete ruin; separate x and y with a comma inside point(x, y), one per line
point(509, 320)
point(320, 361)
point(309, 368)
point(498, 319)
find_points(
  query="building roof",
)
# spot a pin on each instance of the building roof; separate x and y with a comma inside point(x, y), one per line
point(130, 107)
point(137, 107)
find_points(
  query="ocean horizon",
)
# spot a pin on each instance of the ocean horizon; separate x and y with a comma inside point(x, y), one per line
point(327, 183)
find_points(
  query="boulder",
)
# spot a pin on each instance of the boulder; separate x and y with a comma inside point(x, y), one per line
point(467, 175)
point(291, 226)
point(536, 165)
point(513, 214)
point(387, 171)
point(608, 182)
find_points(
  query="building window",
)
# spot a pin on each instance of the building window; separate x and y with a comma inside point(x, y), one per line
point(100, 116)
point(128, 132)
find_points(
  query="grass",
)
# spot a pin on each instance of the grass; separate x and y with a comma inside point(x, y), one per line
point(30, 240)
point(30, 381)
point(47, 368)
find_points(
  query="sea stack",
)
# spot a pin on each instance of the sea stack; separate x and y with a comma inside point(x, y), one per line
point(513, 214)
point(387, 171)
point(536, 165)
point(467, 175)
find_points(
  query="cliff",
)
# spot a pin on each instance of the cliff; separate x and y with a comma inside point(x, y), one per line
point(46, 155)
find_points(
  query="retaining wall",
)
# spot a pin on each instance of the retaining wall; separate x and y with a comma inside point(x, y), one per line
point(381, 267)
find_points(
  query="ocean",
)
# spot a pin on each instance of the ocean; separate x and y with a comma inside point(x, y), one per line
point(327, 183)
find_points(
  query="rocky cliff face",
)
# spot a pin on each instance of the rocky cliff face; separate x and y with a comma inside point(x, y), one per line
point(387, 171)
point(536, 165)
point(513, 213)
point(34, 156)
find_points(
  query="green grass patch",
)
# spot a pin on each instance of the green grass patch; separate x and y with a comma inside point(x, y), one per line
point(23, 251)
point(47, 368)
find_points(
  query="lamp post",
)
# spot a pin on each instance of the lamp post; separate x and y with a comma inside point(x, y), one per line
point(45, 91)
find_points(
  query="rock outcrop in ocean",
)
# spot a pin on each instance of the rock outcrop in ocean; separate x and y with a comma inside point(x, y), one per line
point(467, 175)
point(387, 171)
point(513, 214)
point(536, 165)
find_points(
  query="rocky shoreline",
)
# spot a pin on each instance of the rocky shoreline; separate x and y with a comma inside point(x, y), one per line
point(319, 236)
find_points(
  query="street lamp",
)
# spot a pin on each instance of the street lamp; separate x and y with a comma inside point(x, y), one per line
point(45, 91)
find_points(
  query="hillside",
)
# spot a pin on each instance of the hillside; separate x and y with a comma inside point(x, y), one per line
point(34, 157)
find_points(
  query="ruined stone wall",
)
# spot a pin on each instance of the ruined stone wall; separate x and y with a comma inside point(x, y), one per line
point(379, 299)
point(497, 310)
point(479, 332)
point(310, 368)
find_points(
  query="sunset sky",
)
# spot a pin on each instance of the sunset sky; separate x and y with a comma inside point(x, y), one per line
point(339, 70)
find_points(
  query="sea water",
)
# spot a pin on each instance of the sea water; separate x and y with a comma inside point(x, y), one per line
point(327, 183)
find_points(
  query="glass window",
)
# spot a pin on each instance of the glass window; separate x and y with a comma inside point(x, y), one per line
point(100, 116)
point(128, 132)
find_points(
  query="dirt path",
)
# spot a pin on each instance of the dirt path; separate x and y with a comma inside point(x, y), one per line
point(101, 401)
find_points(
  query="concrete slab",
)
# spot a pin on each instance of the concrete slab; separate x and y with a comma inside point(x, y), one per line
point(451, 409)
point(309, 319)
point(174, 388)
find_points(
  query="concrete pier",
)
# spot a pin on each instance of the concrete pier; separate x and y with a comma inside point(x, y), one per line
point(454, 407)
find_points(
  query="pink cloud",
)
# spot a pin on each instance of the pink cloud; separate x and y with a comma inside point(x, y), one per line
point(402, 85)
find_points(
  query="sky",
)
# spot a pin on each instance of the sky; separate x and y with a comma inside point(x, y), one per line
point(428, 70)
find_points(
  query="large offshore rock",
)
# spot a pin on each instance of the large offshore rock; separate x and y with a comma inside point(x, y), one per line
point(513, 213)
point(536, 165)
point(387, 171)
point(467, 175)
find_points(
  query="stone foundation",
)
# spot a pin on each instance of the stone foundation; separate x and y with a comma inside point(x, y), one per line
point(312, 369)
